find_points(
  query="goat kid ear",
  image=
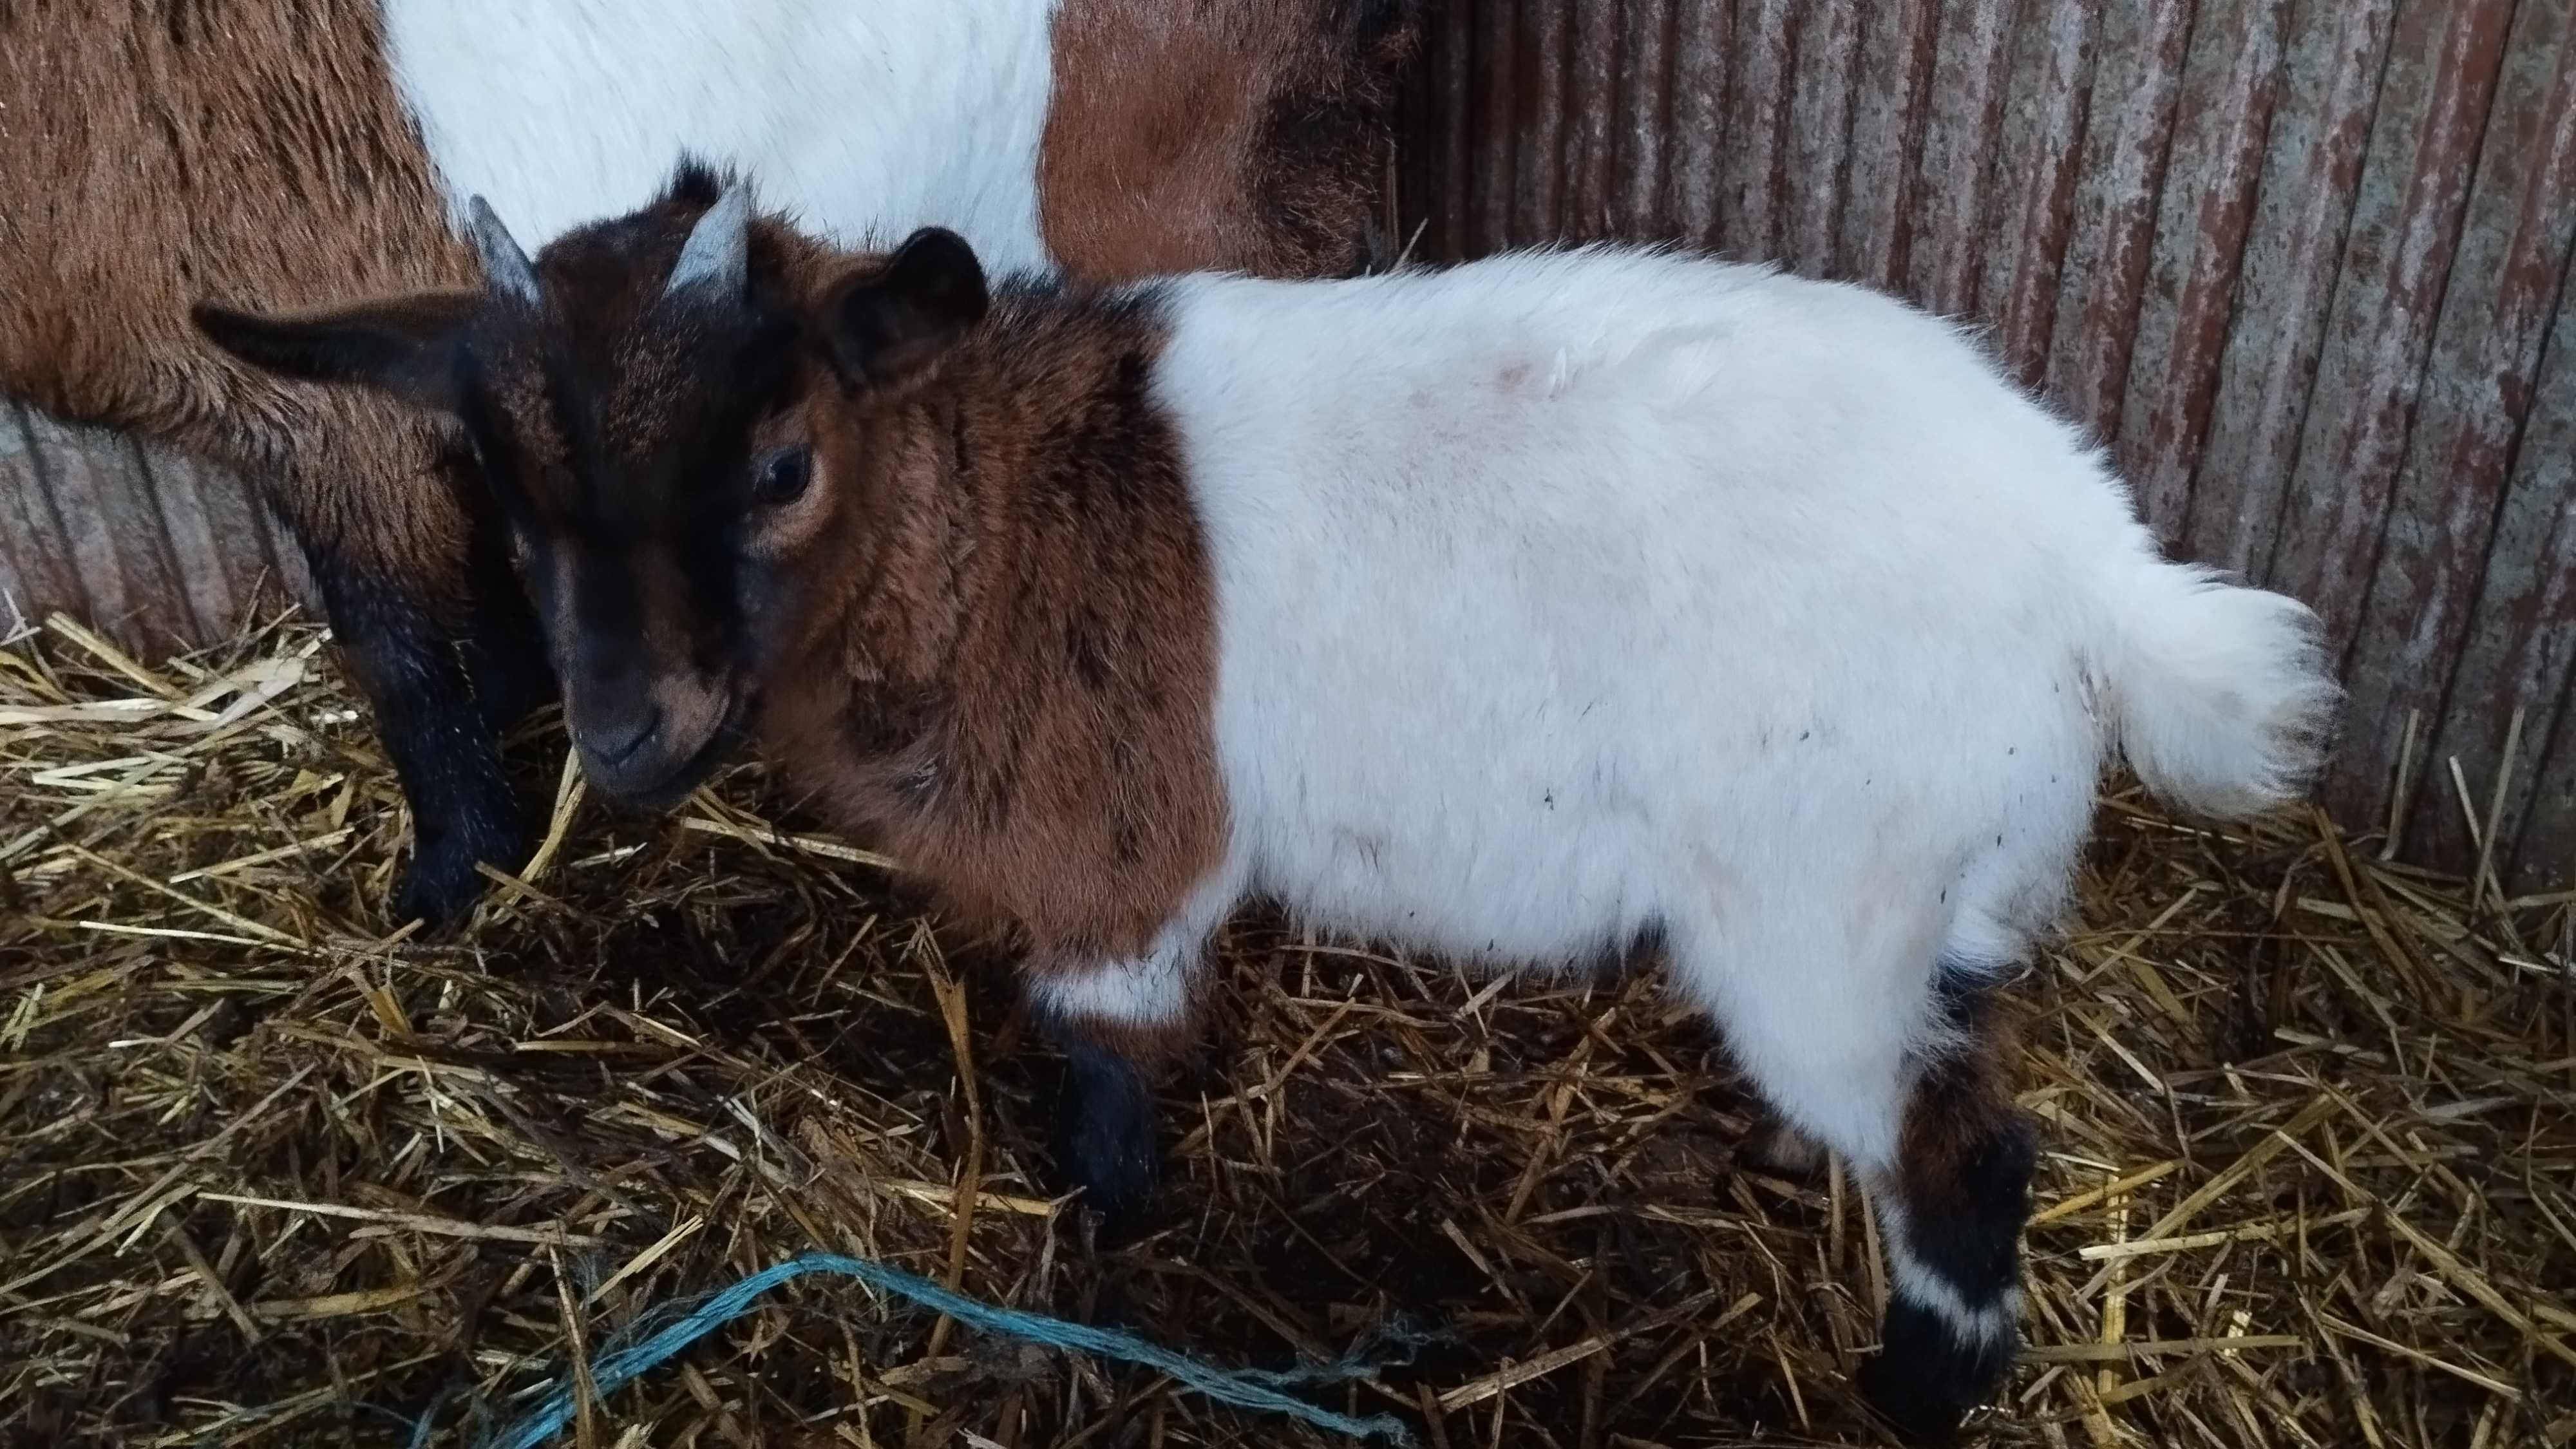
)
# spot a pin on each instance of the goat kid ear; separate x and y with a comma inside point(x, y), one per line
point(887, 329)
point(413, 348)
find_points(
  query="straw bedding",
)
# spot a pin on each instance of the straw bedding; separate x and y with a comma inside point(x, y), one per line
point(273, 1176)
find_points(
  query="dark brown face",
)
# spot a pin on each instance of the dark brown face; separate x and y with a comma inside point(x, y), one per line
point(633, 398)
point(610, 391)
point(618, 448)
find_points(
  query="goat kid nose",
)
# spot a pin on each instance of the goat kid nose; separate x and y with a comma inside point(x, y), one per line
point(616, 743)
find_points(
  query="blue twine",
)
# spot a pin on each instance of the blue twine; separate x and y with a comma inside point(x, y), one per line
point(1248, 1389)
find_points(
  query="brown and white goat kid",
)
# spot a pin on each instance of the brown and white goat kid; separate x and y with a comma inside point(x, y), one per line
point(1516, 611)
point(278, 155)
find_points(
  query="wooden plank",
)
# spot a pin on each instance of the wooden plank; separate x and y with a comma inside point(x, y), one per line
point(195, 562)
point(1442, 135)
point(45, 564)
point(219, 541)
point(2285, 290)
point(1966, 111)
point(2531, 601)
point(164, 541)
point(2545, 857)
point(1593, 86)
point(1757, 111)
point(110, 531)
point(1702, 40)
point(1641, 168)
point(2230, 80)
point(37, 574)
point(1496, 126)
point(163, 553)
point(2286, 287)
point(2521, 650)
point(2502, 285)
point(1542, 50)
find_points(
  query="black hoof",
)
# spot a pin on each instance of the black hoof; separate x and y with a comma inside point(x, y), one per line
point(436, 893)
point(1919, 1412)
point(1925, 1379)
point(441, 885)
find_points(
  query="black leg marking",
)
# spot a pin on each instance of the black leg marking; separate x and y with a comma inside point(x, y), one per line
point(1105, 1132)
point(1970, 1238)
point(445, 751)
point(1950, 1336)
point(1957, 1206)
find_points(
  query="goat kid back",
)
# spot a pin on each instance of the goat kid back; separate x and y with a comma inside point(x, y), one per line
point(272, 155)
point(1522, 612)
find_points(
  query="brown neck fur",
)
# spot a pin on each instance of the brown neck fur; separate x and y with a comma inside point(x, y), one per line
point(1004, 662)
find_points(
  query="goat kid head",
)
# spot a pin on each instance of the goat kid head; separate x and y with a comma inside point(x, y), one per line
point(638, 398)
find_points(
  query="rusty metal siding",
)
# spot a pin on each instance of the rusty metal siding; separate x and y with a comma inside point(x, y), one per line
point(2522, 639)
point(2303, 264)
point(161, 551)
point(2503, 281)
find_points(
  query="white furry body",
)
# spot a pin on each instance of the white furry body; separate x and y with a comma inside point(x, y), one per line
point(865, 120)
point(1562, 596)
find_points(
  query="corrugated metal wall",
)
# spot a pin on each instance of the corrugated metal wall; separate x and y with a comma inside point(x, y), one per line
point(162, 551)
point(2304, 262)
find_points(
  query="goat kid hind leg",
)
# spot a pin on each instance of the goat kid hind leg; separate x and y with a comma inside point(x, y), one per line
point(1952, 1213)
point(1834, 1034)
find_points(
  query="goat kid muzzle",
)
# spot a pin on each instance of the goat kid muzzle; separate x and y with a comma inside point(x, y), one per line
point(650, 756)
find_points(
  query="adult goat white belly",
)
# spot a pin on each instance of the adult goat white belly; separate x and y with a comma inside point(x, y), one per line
point(867, 120)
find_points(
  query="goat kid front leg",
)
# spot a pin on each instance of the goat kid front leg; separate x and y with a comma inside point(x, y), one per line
point(440, 725)
point(1120, 1025)
point(504, 649)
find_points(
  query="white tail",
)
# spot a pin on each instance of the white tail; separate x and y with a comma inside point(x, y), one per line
point(2220, 693)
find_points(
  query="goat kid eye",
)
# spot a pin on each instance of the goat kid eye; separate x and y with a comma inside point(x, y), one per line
point(783, 476)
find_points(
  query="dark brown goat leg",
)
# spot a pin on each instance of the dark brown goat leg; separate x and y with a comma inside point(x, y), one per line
point(504, 648)
point(447, 660)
